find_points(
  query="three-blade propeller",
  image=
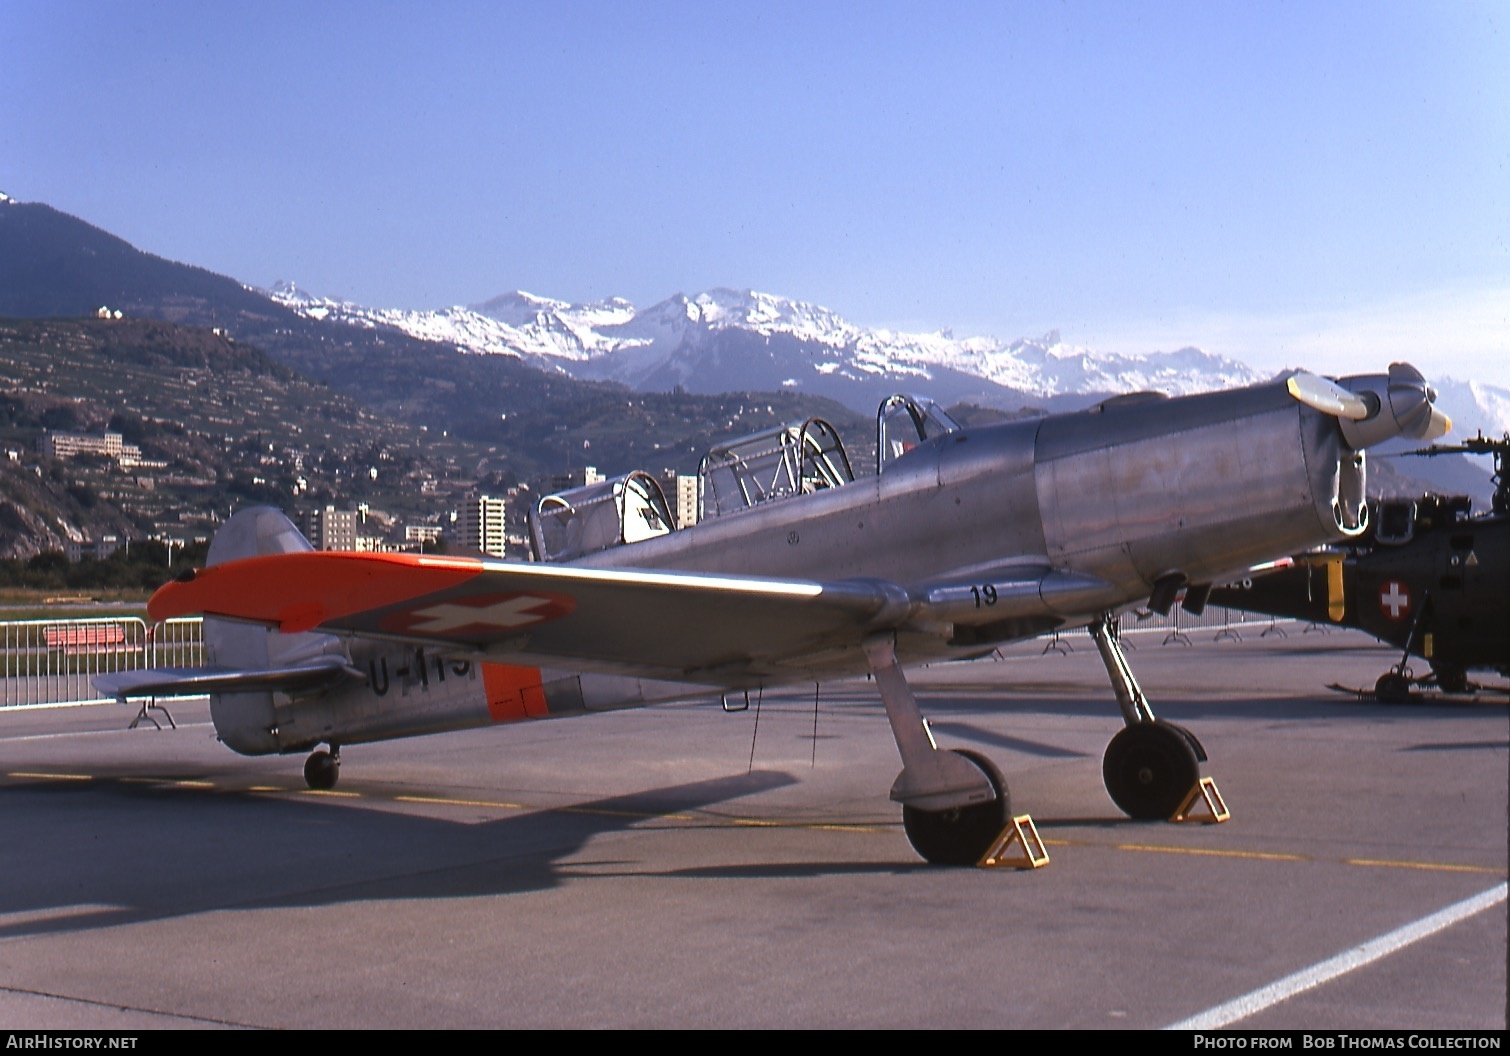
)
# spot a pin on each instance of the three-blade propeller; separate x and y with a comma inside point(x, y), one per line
point(1327, 396)
point(1375, 407)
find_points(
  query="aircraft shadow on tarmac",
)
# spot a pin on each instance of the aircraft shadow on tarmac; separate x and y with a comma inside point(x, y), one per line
point(978, 735)
point(108, 852)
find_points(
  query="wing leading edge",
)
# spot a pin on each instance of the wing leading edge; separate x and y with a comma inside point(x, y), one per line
point(679, 626)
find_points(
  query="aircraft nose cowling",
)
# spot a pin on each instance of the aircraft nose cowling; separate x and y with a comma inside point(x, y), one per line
point(1401, 403)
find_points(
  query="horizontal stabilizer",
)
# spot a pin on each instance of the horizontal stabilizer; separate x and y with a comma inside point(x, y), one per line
point(199, 681)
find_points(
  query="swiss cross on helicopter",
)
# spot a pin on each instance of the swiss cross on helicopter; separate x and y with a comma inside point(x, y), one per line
point(1428, 576)
point(1394, 600)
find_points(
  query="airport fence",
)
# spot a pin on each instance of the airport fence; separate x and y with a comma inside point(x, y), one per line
point(1215, 624)
point(54, 662)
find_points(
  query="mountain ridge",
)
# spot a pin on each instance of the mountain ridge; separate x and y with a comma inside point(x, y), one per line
point(504, 352)
point(803, 346)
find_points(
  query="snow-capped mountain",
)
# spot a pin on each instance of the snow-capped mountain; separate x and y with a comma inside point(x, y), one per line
point(1473, 407)
point(723, 340)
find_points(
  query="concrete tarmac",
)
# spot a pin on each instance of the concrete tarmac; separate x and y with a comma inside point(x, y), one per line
point(685, 867)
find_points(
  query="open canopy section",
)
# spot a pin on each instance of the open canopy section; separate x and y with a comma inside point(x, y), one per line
point(597, 516)
point(903, 422)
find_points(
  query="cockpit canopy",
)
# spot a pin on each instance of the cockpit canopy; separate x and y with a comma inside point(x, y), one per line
point(778, 463)
point(598, 516)
point(772, 464)
point(903, 422)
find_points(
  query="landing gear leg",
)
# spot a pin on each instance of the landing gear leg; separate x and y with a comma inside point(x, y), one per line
point(322, 769)
point(1394, 686)
point(954, 804)
point(1151, 765)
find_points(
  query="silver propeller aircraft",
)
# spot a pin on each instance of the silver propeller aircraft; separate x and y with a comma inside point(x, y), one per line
point(800, 572)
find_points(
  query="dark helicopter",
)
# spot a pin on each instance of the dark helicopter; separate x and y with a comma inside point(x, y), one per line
point(1427, 577)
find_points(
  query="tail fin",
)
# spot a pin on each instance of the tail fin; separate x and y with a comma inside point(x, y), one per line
point(257, 532)
point(248, 668)
point(246, 722)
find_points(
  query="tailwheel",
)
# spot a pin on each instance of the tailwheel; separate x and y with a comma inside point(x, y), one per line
point(1149, 769)
point(962, 835)
point(322, 769)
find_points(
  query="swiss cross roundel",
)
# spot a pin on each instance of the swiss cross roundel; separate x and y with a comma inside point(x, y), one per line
point(483, 616)
point(1394, 600)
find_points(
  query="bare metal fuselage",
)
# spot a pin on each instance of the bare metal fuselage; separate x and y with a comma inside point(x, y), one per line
point(1112, 499)
point(980, 536)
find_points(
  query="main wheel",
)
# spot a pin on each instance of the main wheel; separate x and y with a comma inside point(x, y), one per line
point(321, 770)
point(1149, 769)
point(960, 836)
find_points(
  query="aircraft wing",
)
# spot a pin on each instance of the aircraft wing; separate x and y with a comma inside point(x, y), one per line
point(677, 625)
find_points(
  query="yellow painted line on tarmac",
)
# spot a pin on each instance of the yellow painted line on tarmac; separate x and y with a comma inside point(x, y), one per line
point(1213, 853)
point(1270, 856)
point(761, 823)
point(754, 823)
point(1435, 867)
point(599, 812)
point(809, 826)
point(167, 782)
point(445, 802)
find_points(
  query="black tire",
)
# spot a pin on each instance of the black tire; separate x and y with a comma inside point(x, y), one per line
point(1392, 688)
point(1452, 679)
point(1149, 769)
point(960, 836)
point(321, 771)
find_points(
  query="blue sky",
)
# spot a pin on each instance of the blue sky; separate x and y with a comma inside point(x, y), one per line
point(1310, 184)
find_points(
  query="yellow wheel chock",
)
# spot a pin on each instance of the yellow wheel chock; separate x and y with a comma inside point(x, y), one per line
point(1030, 852)
point(1204, 792)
